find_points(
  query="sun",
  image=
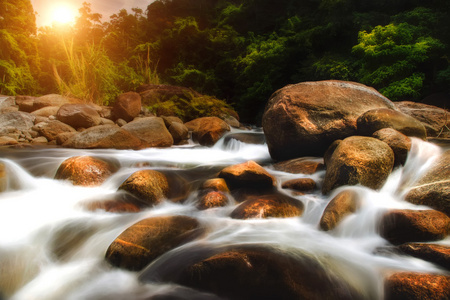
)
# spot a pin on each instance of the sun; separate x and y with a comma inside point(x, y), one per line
point(63, 13)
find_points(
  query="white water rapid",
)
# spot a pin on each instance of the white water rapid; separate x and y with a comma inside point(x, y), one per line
point(52, 248)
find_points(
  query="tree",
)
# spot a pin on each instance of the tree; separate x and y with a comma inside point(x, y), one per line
point(391, 57)
point(19, 63)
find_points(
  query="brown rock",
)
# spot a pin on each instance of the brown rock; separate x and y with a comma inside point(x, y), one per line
point(7, 141)
point(436, 120)
point(304, 119)
point(359, 160)
point(401, 226)
point(212, 199)
point(437, 254)
point(46, 111)
point(248, 175)
point(25, 103)
point(342, 205)
point(148, 186)
point(299, 166)
point(275, 205)
point(3, 178)
point(215, 184)
point(112, 206)
point(78, 115)
point(179, 132)
point(52, 129)
point(86, 170)
point(151, 130)
point(105, 137)
point(433, 189)
point(399, 143)
point(49, 100)
point(300, 184)
point(169, 120)
point(127, 106)
point(144, 241)
point(408, 285)
point(330, 151)
point(64, 137)
point(376, 119)
point(208, 130)
point(258, 272)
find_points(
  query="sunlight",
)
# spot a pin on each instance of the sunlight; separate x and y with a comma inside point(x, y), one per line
point(63, 13)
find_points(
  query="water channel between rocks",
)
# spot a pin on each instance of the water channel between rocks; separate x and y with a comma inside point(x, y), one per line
point(39, 215)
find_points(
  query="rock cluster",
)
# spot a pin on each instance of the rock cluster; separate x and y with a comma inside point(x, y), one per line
point(361, 135)
point(56, 120)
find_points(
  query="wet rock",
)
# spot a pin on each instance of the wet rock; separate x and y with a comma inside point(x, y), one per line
point(399, 143)
point(437, 254)
point(304, 119)
point(299, 166)
point(179, 132)
point(402, 226)
point(359, 160)
point(212, 199)
point(274, 205)
point(78, 115)
point(258, 272)
point(52, 128)
point(433, 189)
point(18, 120)
point(86, 170)
point(105, 137)
point(409, 285)
point(146, 240)
point(152, 130)
point(215, 184)
point(343, 204)
point(330, 151)
point(127, 106)
point(436, 120)
point(247, 175)
point(376, 119)
point(207, 130)
point(300, 184)
point(148, 186)
point(246, 137)
point(112, 206)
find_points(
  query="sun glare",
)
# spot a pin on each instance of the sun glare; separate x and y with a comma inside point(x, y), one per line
point(63, 13)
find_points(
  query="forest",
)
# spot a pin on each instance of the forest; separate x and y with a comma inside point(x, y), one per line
point(239, 51)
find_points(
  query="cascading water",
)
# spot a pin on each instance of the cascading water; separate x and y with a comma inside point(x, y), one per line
point(51, 247)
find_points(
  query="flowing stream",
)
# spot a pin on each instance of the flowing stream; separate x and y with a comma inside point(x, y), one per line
point(52, 248)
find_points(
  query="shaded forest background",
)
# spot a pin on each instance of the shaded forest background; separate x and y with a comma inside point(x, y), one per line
point(240, 51)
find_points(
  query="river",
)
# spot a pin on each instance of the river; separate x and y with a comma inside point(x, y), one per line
point(52, 248)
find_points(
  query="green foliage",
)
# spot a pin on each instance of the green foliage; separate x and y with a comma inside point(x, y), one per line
point(390, 56)
point(92, 75)
point(190, 106)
